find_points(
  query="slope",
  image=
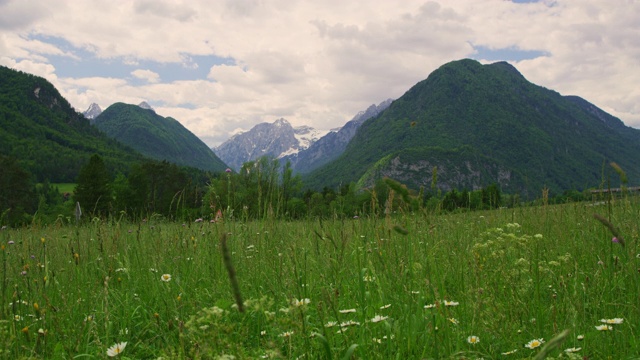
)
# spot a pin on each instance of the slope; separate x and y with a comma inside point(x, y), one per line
point(503, 129)
point(157, 137)
point(46, 135)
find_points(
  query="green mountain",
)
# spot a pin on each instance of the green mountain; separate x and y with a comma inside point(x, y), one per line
point(50, 140)
point(481, 124)
point(157, 137)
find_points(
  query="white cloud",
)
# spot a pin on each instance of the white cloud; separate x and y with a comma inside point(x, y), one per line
point(318, 63)
point(147, 75)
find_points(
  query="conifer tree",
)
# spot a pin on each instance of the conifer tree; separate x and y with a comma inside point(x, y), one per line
point(93, 190)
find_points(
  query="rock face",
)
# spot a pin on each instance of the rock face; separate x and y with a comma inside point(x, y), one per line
point(92, 112)
point(277, 139)
point(333, 144)
point(146, 106)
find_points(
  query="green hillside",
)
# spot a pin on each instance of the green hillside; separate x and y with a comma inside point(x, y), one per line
point(46, 135)
point(157, 137)
point(480, 124)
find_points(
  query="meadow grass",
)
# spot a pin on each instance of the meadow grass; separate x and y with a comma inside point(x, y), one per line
point(65, 187)
point(408, 286)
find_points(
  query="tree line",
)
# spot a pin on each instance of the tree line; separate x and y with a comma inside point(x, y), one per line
point(261, 188)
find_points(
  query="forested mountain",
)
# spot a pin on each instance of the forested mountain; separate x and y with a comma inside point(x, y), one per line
point(50, 140)
point(468, 125)
point(157, 137)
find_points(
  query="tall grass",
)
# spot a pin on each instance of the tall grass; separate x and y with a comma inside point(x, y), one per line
point(408, 286)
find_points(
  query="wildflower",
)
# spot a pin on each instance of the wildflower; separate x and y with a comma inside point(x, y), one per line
point(346, 311)
point(165, 277)
point(510, 352)
point(615, 240)
point(301, 302)
point(88, 318)
point(534, 343)
point(121, 270)
point(385, 307)
point(10, 242)
point(580, 337)
point(454, 321)
point(572, 350)
point(604, 328)
point(286, 334)
point(263, 332)
point(379, 318)
point(612, 321)
point(451, 303)
point(368, 278)
point(17, 318)
point(473, 339)
point(430, 306)
point(42, 332)
point(116, 349)
point(349, 323)
point(198, 220)
point(25, 330)
point(331, 324)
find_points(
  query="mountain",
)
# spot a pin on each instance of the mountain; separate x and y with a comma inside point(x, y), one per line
point(157, 137)
point(333, 144)
point(471, 125)
point(50, 140)
point(93, 111)
point(277, 139)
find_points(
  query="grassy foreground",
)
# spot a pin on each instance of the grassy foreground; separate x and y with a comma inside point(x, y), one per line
point(421, 286)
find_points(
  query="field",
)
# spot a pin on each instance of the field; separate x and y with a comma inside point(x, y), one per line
point(492, 285)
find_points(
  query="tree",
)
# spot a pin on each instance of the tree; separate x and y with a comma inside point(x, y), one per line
point(93, 190)
point(17, 194)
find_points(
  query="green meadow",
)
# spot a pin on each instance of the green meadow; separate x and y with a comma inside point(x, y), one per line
point(511, 283)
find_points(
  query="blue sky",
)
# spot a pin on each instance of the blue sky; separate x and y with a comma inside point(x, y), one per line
point(222, 67)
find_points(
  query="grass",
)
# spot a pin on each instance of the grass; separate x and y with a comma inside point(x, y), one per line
point(65, 188)
point(416, 286)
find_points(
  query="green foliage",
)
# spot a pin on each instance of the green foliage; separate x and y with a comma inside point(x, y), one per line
point(48, 137)
point(17, 193)
point(157, 137)
point(93, 191)
point(488, 120)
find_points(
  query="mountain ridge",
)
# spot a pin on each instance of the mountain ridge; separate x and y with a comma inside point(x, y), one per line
point(160, 138)
point(493, 112)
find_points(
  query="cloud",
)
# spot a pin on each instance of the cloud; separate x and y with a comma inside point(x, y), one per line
point(315, 63)
point(146, 75)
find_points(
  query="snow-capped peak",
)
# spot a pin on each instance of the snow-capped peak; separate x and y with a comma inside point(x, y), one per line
point(93, 111)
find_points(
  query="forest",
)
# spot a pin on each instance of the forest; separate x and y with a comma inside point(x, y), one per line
point(259, 190)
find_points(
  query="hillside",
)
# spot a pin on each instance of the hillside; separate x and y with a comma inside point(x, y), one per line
point(46, 135)
point(480, 124)
point(160, 138)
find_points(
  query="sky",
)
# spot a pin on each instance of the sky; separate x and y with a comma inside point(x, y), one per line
point(223, 66)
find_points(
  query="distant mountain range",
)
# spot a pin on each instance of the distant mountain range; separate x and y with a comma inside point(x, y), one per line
point(277, 140)
point(333, 144)
point(303, 147)
point(469, 125)
point(157, 137)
